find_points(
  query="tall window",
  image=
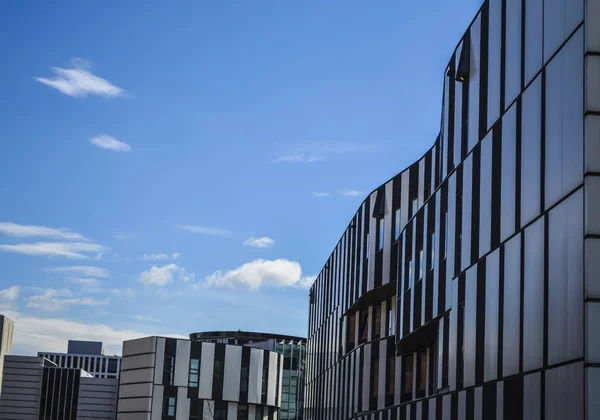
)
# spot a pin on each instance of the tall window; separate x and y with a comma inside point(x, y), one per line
point(374, 377)
point(461, 345)
point(351, 331)
point(432, 249)
point(409, 274)
point(244, 379)
point(421, 264)
point(445, 248)
point(390, 321)
point(377, 321)
point(220, 410)
point(397, 222)
point(242, 412)
point(367, 245)
point(391, 375)
point(421, 373)
point(169, 404)
point(380, 235)
point(194, 373)
point(407, 379)
point(364, 326)
point(265, 375)
point(169, 371)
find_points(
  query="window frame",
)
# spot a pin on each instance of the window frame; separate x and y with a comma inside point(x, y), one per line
point(194, 371)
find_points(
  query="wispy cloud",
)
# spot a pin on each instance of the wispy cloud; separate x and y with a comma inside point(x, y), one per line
point(84, 281)
point(29, 231)
point(280, 273)
point(162, 276)
point(148, 319)
point(110, 143)
point(10, 295)
point(205, 230)
point(264, 242)
point(298, 158)
point(59, 299)
point(352, 193)
point(82, 270)
point(123, 293)
point(122, 237)
point(159, 257)
point(321, 194)
point(75, 250)
point(79, 82)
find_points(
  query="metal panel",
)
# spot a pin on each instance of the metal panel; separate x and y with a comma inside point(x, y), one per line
point(564, 392)
point(387, 239)
point(231, 411)
point(532, 396)
point(533, 38)
point(451, 235)
point(494, 49)
point(592, 268)
point(159, 359)
point(492, 300)
point(272, 378)
point(462, 405)
point(474, 81)
point(531, 151)
point(458, 111)
point(509, 173)
point(467, 206)
point(478, 404)
point(592, 385)
point(139, 346)
point(231, 377)
point(453, 337)
point(183, 404)
point(565, 281)
point(592, 25)
point(485, 196)
point(255, 376)
point(470, 330)
point(592, 332)
point(561, 17)
point(157, 401)
point(564, 122)
point(592, 84)
point(404, 198)
point(592, 143)
point(533, 292)
point(592, 205)
point(182, 363)
point(512, 309)
point(512, 79)
point(207, 360)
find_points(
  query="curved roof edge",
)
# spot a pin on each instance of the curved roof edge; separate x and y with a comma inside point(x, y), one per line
point(210, 335)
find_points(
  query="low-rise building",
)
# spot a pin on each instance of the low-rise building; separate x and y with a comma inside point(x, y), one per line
point(89, 356)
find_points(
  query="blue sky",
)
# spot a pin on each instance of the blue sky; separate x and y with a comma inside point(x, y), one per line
point(170, 168)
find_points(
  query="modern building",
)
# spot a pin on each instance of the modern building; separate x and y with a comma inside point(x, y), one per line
point(6, 337)
point(168, 378)
point(35, 388)
point(293, 350)
point(89, 356)
point(466, 287)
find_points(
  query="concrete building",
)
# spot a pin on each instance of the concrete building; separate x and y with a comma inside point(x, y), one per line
point(6, 338)
point(168, 378)
point(466, 286)
point(35, 388)
point(293, 350)
point(89, 356)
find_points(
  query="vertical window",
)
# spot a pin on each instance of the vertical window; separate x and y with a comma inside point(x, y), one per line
point(421, 264)
point(421, 373)
point(461, 345)
point(244, 379)
point(390, 314)
point(194, 373)
point(432, 249)
point(169, 404)
point(169, 371)
point(367, 245)
point(445, 248)
point(364, 326)
point(397, 222)
point(377, 322)
point(380, 229)
point(351, 331)
point(265, 376)
point(407, 379)
point(242, 412)
point(374, 377)
point(414, 206)
point(391, 375)
point(220, 410)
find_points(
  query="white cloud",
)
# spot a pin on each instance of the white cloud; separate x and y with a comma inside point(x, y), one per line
point(122, 237)
point(123, 293)
point(79, 82)
point(159, 257)
point(110, 143)
point(161, 276)
point(205, 230)
point(59, 299)
point(10, 295)
point(352, 193)
point(147, 319)
point(321, 194)
point(261, 272)
point(84, 281)
point(55, 249)
point(264, 242)
point(82, 270)
point(28, 231)
point(51, 334)
point(298, 158)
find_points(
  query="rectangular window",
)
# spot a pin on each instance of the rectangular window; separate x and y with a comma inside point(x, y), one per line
point(391, 375)
point(351, 332)
point(415, 207)
point(432, 250)
point(397, 222)
point(409, 274)
point(445, 248)
point(367, 245)
point(390, 314)
point(380, 234)
point(374, 377)
point(169, 404)
point(242, 412)
point(112, 365)
point(377, 322)
point(461, 346)
point(421, 264)
point(169, 371)
point(421, 373)
point(407, 379)
point(220, 410)
point(364, 326)
point(194, 373)
point(244, 379)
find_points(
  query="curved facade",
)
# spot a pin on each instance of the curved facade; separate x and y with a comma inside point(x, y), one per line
point(466, 287)
point(168, 378)
point(241, 337)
